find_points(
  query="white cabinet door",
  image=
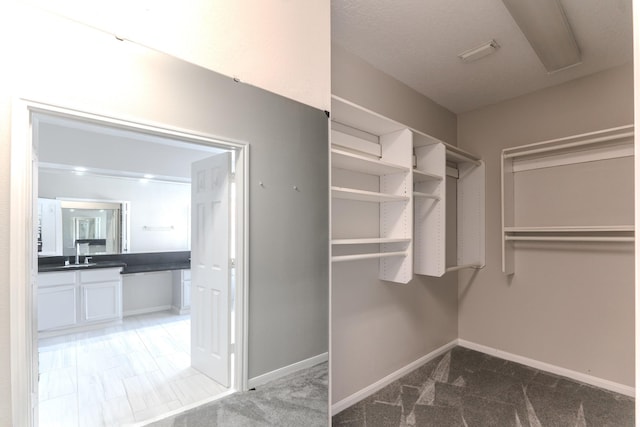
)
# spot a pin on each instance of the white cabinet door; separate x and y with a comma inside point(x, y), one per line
point(101, 301)
point(57, 307)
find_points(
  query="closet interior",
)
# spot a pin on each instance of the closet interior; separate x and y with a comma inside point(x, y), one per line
point(389, 197)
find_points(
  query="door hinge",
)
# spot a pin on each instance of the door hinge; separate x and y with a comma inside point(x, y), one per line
point(232, 177)
point(232, 263)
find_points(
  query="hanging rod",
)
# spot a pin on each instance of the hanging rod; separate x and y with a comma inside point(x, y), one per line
point(571, 238)
point(590, 141)
point(340, 258)
point(460, 155)
point(461, 267)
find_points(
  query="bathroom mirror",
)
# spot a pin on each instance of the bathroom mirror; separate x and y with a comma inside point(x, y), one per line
point(94, 227)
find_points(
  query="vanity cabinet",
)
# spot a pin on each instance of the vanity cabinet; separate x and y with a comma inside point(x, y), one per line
point(57, 300)
point(182, 291)
point(76, 299)
point(101, 294)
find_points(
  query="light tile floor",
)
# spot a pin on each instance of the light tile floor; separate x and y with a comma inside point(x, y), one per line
point(120, 375)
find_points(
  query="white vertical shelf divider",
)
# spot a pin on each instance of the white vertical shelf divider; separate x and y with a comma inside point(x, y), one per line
point(430, 214)
point(396, 218)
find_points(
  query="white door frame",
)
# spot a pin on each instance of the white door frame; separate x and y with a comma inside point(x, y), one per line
point(23, 265)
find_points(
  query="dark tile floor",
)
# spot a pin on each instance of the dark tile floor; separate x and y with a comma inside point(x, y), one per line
point(470, 389)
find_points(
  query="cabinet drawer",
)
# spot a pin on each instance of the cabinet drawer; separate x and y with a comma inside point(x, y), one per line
point(56, 278)
point(100, 275)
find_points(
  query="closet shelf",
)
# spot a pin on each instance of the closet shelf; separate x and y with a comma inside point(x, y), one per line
point(341, 258)
point(594, 239)
point(572, 229)
point(422, 176)
point(365, 196)
point(426, 195)
point(608, 136)
point(350, 161)
point(369, 241)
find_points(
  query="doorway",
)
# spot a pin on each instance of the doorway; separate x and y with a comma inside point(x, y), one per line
point(35, 116)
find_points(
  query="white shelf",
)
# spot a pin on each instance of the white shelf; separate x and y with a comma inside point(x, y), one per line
point(570, 234)
point(622, 134)
point(612, 239)
point(373, 255)
point(345, 160)
point(426, 195)
point(365, 196)
point(422, 176)
point(572, 229)
point(368, 241)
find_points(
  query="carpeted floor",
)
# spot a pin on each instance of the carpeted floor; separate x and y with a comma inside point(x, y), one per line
point(466, 388)
point(299, 399)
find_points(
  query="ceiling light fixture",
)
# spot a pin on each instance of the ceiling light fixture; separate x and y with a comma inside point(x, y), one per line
point(545, 25)
point(479, 52)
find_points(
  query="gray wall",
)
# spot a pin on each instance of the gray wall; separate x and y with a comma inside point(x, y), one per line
point(568, 306)
point(380, 327)
point(288, 289)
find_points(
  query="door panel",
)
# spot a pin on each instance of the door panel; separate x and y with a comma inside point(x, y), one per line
point(210, 259)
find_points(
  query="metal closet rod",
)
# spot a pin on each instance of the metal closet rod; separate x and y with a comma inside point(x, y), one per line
point(571, 238)
point(460, 155)
point(461, 267)
point(569, 145)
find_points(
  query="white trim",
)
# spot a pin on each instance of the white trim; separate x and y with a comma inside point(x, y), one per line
point(543, 366)
point(150, 310)
point(380, 384)
point(21, 272)
point(289, 369)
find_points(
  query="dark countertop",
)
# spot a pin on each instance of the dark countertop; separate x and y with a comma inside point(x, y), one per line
point(131, 263)
point(146, 268)
point(71, 267)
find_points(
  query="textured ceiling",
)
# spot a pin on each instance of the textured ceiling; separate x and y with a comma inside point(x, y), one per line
point(417, 42)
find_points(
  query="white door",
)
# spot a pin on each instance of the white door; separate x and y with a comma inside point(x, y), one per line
point(210, 265)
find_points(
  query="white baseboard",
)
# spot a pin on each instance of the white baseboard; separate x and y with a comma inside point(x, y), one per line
point(574, 375)
point(380, 384)
point(180, 311)
point(286, 370)
point(146, 310)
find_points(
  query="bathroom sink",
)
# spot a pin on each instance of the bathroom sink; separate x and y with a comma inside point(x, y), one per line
point(91, 264)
